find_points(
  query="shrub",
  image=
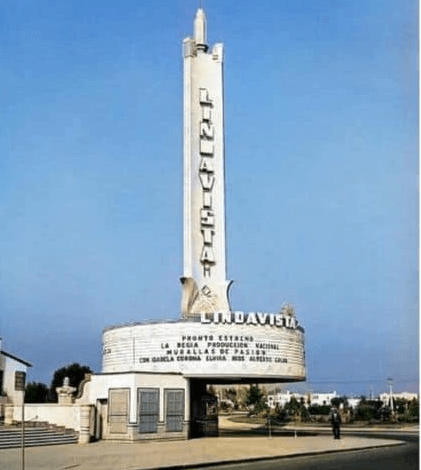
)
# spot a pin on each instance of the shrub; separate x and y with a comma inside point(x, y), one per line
point(319, 410)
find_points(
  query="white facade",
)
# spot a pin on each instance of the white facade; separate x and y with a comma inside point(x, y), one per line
point(214, 351)
point(205, 287)
point(310, 398)
point(282, 398)
point(124, 423)
point(321, 399)
point(353, 402)
point(9, 365)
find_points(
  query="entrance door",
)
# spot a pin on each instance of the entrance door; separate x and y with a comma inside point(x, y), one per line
point(203, 410)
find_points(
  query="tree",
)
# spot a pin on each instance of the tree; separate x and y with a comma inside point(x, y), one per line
point(36, 392)
point(335, 402)
point(76, 374)
point(338, 401)
point(256, 400)
point(363, 400)
point(401, 405)
point(319, 410)
point(368, 410)
point(242, 394)
point(365, 413)
point(292, 407)
point(384, 413)
point(414, 408)
point(231, 394)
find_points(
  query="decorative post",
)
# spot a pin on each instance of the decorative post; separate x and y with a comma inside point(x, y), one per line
point(65, 393)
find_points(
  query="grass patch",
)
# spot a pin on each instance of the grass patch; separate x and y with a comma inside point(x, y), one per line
point(248, 419)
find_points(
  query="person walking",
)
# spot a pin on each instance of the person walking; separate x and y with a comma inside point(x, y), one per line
point(335, 419)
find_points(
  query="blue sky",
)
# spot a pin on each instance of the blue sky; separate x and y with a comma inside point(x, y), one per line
point(321, 171)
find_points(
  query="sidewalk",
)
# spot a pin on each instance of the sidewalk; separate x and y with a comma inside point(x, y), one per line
point(105, 455)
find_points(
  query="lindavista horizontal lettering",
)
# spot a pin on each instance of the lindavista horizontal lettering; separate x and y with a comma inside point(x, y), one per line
point(250, 318)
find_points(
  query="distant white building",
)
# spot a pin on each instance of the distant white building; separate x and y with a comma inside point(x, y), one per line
point(385, 397)
point(353, 402)
point(309, 398)
point(322, 399)
point(325, 399)
point(10, 365)
point(282, 398)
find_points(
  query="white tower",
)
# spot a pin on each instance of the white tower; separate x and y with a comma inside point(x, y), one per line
point(205, 288)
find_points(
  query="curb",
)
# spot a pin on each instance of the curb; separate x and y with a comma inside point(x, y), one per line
point(264, 458)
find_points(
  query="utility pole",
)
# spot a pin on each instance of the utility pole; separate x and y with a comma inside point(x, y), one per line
point(20, 378)
point(390, 384)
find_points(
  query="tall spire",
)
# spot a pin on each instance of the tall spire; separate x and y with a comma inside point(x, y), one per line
point(200, 30)
point(205, 287)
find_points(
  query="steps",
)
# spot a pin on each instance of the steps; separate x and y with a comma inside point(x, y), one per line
point(11, 437)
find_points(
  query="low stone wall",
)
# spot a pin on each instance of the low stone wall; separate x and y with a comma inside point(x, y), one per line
point(53, 413)
point(76, 417)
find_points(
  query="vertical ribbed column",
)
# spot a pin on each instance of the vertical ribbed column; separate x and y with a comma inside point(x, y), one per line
point(85, 420)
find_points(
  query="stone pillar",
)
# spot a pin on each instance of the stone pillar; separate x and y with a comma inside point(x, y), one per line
point(65, 393)
point(85, 419)
point(8, 414)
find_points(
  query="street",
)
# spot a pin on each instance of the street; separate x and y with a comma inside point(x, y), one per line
point(391, 458)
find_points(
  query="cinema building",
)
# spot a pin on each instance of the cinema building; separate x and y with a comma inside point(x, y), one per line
point(154, 375)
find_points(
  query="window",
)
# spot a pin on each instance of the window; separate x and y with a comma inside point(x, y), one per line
point(20, 378)
point(174, 404)
point(148, 406)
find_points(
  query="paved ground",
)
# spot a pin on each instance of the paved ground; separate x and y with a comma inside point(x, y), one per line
point(132, 456)
point(123, 456)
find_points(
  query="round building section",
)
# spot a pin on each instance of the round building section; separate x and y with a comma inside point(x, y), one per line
point(254, 347)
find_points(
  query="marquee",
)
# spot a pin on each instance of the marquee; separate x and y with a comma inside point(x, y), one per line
point(263, 350)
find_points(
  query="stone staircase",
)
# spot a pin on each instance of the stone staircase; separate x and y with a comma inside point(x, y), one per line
point(44, 435)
